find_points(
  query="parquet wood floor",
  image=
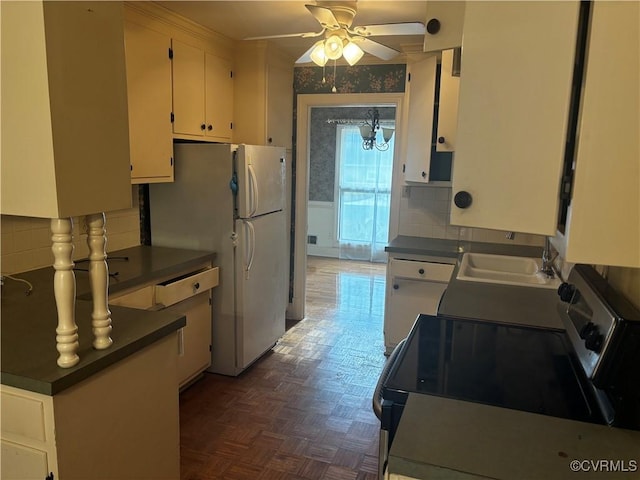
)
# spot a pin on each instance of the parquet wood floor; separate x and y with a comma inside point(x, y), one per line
point(303, 411)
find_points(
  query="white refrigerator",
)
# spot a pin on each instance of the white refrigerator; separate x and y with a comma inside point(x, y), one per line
point(230, 199)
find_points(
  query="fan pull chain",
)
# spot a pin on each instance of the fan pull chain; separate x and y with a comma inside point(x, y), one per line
point(324, 80)
point(334, 77)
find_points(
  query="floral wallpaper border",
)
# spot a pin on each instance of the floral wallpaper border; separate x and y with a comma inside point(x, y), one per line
point(356, 79)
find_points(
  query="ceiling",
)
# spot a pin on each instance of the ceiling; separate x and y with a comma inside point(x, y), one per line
point(242, 19)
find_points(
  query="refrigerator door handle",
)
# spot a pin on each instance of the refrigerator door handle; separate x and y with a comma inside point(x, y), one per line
point(253, 190)
point(250, 247)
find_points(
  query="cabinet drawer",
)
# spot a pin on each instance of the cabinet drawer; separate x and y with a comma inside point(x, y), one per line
point(141, 299)
point(437, 272)
point(176, 290)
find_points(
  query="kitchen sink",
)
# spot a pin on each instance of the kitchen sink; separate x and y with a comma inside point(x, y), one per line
point(507, 270)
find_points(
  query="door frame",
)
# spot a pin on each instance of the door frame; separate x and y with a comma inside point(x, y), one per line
point(305, 102)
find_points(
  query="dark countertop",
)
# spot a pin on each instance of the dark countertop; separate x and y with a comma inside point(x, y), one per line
point(28, 322)
point(533, 306)
point(443, 247)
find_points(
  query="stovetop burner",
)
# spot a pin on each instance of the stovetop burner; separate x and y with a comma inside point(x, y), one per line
point(514, 367)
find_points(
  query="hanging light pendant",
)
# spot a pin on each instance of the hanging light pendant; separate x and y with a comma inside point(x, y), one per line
point(333, 47)
point(317, 54)
point(352, 53)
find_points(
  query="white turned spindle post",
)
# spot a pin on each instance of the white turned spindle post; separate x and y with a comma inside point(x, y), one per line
point(64, 287)
point(99, 278)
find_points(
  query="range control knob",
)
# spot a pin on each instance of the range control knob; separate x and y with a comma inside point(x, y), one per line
point(593, 339)
point(587, 329)
point(594, 342)
point(566, 291)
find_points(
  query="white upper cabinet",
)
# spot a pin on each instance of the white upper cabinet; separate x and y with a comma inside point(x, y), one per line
point(421, 84)
point(65, 130)
point(263, 107)
point(188, 89)
point(515, 88)
point(218, 97)
point(149, 96)
point(202, 94)
point(448, 104)
point(444, 25)
point(603, 218)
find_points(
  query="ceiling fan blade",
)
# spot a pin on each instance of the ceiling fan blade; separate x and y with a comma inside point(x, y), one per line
point(285, 35)
point(377, 49)
point(407, 28)
point(306, 56)
point(324, 15)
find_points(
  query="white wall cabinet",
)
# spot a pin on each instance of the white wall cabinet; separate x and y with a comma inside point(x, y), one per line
point(65, 134)
point(263, 109)
point(202, 94)
point(149, 97)
point(448, 104)
point(421, 84)
point(445, 20)
point(515, 85)
point(602, 225)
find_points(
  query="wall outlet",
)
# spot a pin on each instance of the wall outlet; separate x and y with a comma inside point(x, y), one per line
point(312, 239)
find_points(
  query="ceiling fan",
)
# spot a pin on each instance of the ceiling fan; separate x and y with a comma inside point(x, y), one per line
point(340, 38)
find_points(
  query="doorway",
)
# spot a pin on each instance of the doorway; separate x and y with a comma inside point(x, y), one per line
point(349, 186)
point(306, 103)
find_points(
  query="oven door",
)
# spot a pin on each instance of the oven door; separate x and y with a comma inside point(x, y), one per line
point(387, 411)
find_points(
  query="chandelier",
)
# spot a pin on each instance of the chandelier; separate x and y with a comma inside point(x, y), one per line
point(369, 131)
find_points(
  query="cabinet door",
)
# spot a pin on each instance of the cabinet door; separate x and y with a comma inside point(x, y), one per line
point(279, 106)
point(188, 89)
point(422, 84)
point(20, 461)
point(448, 108)
point(604, 213)
point(515, 85)
point(218, 97)
point(149, 97)
point(445, 20)
point(194, 354)
point(406, 300)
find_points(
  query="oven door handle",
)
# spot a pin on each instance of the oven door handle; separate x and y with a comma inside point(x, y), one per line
point(377, 394)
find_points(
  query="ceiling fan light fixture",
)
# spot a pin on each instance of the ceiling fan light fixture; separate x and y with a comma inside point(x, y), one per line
point(317, 54)
point(352, 53)
point(333, 47)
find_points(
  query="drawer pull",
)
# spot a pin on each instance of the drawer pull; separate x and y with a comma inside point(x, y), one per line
point(421, 271)
point(396, 286)
point(196, 285)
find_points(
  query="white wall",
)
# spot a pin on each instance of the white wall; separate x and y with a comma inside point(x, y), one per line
point(26, 242)
point(321, 223)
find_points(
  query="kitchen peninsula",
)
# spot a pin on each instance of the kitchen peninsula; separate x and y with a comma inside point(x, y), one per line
point(115, 414)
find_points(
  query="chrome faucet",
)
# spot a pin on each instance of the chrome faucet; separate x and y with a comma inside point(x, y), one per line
point(547, 259)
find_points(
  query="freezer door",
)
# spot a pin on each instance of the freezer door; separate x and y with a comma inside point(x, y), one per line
point(261, 180)
point(260, 270)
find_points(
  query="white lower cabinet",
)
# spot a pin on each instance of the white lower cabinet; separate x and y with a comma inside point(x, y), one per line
point(415, 285)
point(121, 422)
point(187, 293)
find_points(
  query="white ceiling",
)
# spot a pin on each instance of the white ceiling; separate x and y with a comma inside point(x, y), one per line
point(241, 19)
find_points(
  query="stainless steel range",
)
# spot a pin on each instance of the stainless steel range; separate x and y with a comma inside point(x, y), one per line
point(590, 373)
